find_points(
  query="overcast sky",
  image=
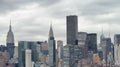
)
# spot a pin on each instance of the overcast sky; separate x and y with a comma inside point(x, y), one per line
point(31, 19)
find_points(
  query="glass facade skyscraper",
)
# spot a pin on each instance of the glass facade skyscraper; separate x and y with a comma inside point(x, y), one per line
point(72, 29)
point(92, 42)
point(22, 46)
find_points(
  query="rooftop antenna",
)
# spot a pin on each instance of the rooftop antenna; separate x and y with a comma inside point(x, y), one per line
point(51, 24)
point(10, 21)
point(109, 31)
point(102, 28)
point(10, 25)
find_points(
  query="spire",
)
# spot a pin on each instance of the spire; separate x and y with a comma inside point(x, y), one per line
point(10, 35)
point(102, 28)
point(51, 32)
point(10, 28)
point(109, 31)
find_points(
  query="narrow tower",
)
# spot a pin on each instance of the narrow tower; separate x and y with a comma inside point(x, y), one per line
point(10, 41)
point(52, 48)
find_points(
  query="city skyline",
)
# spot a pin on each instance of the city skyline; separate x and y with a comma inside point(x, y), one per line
point(33, 18)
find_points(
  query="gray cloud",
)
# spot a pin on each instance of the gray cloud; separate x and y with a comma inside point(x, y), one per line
point(102, 11)
point(10, 5)
point(100, 7)
point(32, 22)
point(96, 11)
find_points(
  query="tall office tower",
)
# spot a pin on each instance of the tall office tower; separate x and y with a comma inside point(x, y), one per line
point(107, 48)
point(28, 60)
point(92, 42)
point(22, 46)
point(116, 45)
point(72, 29)
point(10, 42)
point(82, 42)
point(51, 48)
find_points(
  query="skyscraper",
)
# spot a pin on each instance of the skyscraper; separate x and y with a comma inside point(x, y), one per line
point(117, 39)
point(116, 47)
point(82, 42)
point(60, 49)
point(92, 42)
point(59, 55)
point(10, 41)
point(107, 47)
point(71, 55)
point(68, 55)
point(22, 46)
point(52, 48)
point(72, 29)
point(82, 37)
point(28, 57)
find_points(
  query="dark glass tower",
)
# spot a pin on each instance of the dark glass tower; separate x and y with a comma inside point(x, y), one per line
point(72, 29)
point(10, 42)
point(52, 49)
point(92, 42)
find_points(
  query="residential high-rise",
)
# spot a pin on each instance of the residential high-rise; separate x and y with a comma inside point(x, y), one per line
point(92, 42)
point(51, 48)
point(10, 42)
point(72, 29)
point(28, 58)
